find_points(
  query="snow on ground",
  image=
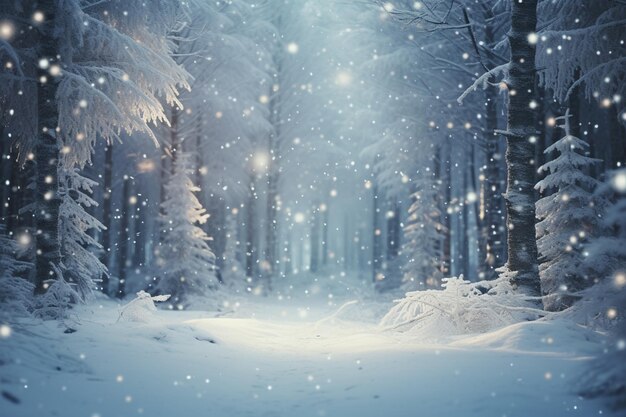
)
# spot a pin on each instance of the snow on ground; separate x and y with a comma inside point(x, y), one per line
point(286, 356)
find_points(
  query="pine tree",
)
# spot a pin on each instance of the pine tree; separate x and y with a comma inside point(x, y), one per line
point(75, 59)
point(185, 259)
point(569, 217)
point(423, 237)
point(607, 253)
point(81, 266)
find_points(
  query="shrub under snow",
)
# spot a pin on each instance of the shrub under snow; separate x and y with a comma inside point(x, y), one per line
point(142, 308)
point(462, 307)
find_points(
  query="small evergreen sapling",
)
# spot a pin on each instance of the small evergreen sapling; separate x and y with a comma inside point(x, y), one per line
point(81, 266)
point(568, 218)
point(423, 236)
point(185, 259)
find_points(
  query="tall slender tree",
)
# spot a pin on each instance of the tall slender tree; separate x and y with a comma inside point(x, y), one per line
point(521, 136)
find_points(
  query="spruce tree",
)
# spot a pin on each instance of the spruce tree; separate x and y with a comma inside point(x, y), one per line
point(186, 262)
point(568, 218)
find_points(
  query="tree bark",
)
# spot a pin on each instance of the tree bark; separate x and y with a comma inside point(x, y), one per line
point(124, 234)
point(250, 230)
point(376, 235)
point(273, 177)
point(315, 239)
point(446, 185)
point(519, 196)
point(393, 232)
point(325, 245)
point(106, 214)
point(48, 251)
point(6, 169)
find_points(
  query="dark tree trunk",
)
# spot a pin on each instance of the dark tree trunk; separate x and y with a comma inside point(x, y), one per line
point(348, 243)
point(492, 193)
point(617, 137)
point(376, 235)
point(174, 137)
point(446, 185)
point(48, 251)
point(18, 183)
point(287, 256)
point(492, 250)
point(139, 231)
point(7, 167)
point(393, 232)
point(480, 242)
point(216, 208)
point(466, 233)
point(325, 245)
point(315, 239)
point(275, 154)
point(22, 212)
point(520, 193)
point(124, 237)
point(273, 176)
point(106, 213)
point(250, 230)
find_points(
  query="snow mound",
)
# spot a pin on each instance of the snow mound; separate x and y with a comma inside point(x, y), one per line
point(142, 308)
point(556, 336)
point(461, 308)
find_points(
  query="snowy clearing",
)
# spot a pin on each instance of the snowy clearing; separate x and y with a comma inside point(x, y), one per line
point(286, 363)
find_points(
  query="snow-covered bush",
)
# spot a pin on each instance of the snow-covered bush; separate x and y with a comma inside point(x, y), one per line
point(142, 308)
point(462, 307)
point(58, 298)
point(16, 293)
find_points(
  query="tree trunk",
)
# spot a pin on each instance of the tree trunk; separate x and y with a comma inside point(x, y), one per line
point(275, 154)
point(393, 231)
point(250, 231)
point(124, 237)
point(18, 184)
point(6, 170)
point(106, 214)
point(617, 135)
point(348, 243)
point(492, 193)
point(287, 255)
point(446, 185)
point(273, 176)
point(376, 235)
point(315, 239)
point(139, 231)
point(467, 233)
point(325, 245)
point(48, 251)
point(520, 197)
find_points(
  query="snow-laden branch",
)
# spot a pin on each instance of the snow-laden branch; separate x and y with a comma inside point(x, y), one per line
point(483, 80)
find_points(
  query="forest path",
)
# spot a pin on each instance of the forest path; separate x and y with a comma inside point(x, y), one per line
point(281, 363)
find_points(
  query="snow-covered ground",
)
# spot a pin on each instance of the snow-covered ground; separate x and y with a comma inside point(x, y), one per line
point(287, 356)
